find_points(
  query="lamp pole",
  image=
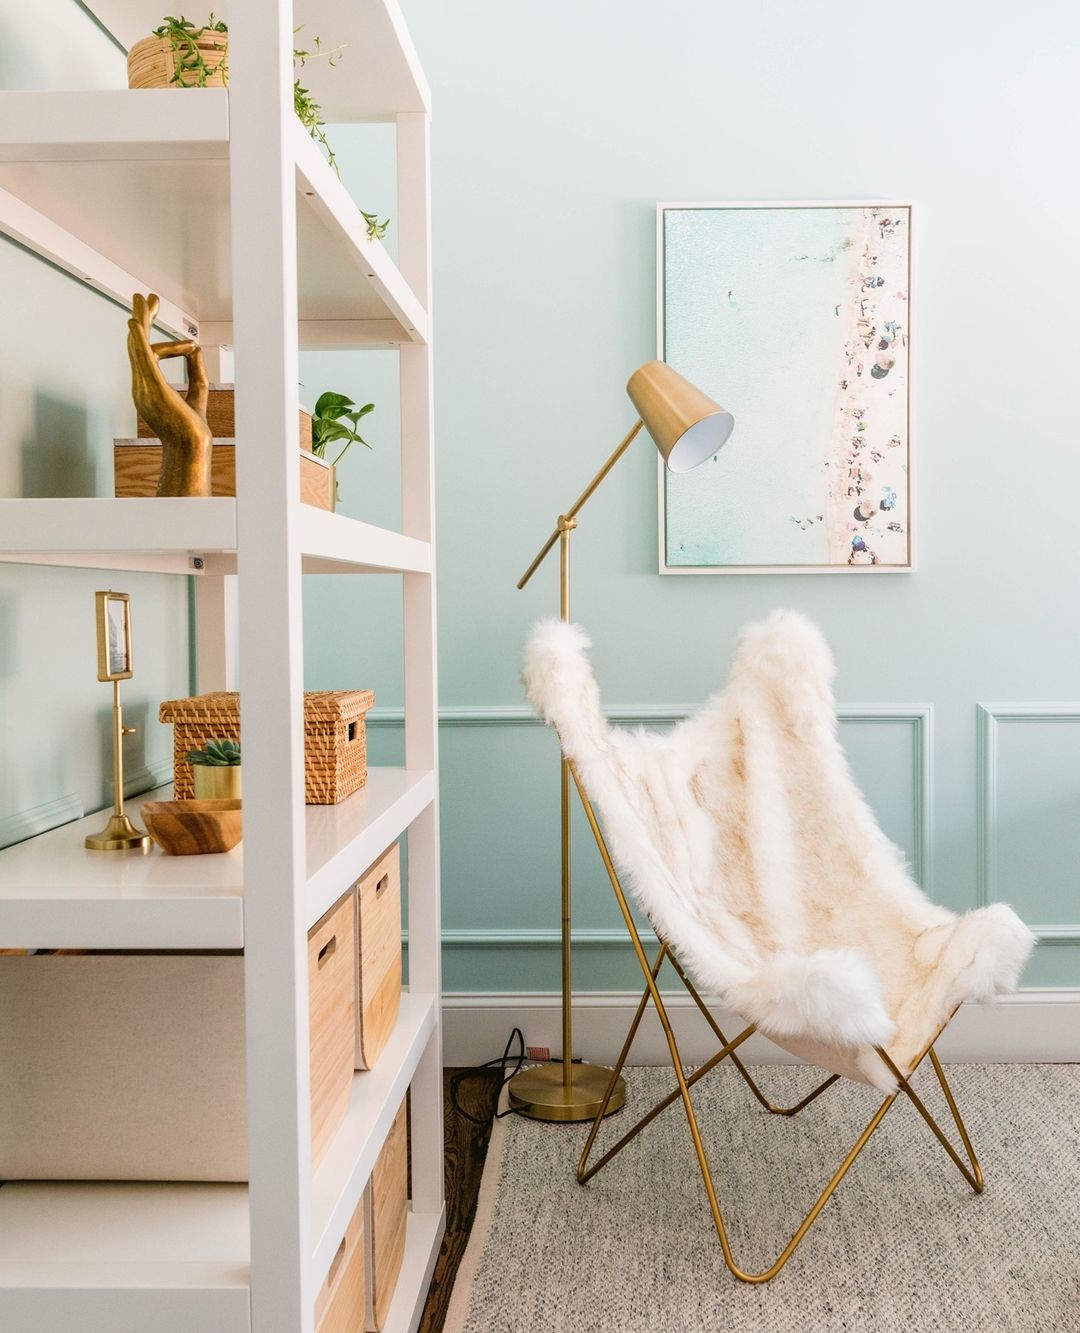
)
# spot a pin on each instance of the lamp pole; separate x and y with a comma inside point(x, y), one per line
point(575, 1091)
point(687, 427)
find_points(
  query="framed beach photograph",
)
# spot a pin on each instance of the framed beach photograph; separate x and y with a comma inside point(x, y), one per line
point(796, 317)
point(113, 613)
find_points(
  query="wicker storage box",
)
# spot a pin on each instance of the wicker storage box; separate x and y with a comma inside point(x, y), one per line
point(378, 975)
point(340, 1306)
point(335, 744)
point(152, 63)
point(387, 1215)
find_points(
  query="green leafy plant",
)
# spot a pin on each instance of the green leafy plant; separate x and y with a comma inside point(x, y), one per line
point(216, 754)
point(331, 422)
point(336, 418)
point(184, 37)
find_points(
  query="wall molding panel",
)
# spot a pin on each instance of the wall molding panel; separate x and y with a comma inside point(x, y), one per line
point(1033, 1026)
point(37, 819)
point(990, 718)
point(919, 717)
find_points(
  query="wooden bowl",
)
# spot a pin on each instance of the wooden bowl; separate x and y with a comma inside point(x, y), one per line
point(191, 828)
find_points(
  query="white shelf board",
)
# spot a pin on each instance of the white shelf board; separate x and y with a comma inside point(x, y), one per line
point(122, 1258)
point(338, 1181)
point(140, 178)
point(378, 74)
point(344, 840)
point(159, 533)
point(163, 534)
point(423, 1236)
point(56, 894)
point(334, 544)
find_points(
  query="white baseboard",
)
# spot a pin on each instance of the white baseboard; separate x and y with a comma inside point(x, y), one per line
point(1031, 1027)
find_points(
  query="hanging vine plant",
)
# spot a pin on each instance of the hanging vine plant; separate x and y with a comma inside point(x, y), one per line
point(200, 56)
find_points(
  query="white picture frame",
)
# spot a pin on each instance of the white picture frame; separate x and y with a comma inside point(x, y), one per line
point(908, 565)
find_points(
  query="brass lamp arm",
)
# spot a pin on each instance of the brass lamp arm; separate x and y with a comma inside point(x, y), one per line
point(567, 520)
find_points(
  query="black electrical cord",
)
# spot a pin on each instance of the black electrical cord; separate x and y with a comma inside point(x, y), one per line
point(490, 1069)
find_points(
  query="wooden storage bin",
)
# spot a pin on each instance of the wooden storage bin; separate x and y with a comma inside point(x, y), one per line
point(137, 463)
point(221, 417)
point(137, 466)
point(131, 1066)
point(378, 974)
point(335, 741)
point(340, 1306)
point(387, 1197)
point(332, 1018)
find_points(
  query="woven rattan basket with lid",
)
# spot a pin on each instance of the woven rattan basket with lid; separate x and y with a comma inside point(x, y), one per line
point(335, 741)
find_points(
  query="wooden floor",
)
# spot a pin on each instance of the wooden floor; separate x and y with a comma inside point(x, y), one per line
point(466, 1148)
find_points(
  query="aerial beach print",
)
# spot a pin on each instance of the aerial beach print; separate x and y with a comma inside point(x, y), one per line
point(795, 318)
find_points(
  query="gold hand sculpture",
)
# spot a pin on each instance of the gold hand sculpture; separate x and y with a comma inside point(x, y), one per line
point(179, 424)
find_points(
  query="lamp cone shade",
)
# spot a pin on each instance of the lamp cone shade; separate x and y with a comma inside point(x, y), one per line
point(686, 425)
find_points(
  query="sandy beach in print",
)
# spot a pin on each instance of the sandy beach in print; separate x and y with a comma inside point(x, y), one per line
point(794, 317)
point(867, 464)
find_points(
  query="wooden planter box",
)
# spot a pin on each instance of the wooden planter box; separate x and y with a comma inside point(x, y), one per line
point(335, 741)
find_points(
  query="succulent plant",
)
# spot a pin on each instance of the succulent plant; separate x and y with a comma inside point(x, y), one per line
point(216, 754)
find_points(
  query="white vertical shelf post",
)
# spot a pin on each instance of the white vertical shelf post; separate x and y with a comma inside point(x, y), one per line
point(262, 182)
point(215, 632)
point(421, 684)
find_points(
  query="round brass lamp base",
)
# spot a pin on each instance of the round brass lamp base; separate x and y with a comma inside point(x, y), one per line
point(119, 835)
point(539, 1094)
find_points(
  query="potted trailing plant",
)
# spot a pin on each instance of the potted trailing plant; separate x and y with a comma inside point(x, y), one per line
point(335, 419)
point(216, 770)
point(182, 54)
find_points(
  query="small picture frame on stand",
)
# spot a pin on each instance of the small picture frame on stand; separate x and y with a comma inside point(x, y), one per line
point(113, 635)
point(112, 611)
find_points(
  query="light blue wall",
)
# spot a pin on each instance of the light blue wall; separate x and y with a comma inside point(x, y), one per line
point(64, 394)
point(556, 130)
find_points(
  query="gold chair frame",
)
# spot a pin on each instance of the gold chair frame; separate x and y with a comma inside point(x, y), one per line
point(972, 1173)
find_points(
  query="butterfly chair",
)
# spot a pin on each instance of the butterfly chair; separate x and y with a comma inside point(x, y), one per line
point(742, 836)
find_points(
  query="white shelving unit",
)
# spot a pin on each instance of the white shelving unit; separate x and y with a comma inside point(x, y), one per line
point(220, 202)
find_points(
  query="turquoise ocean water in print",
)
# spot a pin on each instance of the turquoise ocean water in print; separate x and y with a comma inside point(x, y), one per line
point(750, 315)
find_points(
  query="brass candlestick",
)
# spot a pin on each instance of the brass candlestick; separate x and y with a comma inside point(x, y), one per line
point(114, 664)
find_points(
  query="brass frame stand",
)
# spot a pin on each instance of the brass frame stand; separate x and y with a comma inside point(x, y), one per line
point(972, 1173)
point(119, 834)
point(569, 1092)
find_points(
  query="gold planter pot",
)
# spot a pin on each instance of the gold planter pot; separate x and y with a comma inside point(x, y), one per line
point(217, 782)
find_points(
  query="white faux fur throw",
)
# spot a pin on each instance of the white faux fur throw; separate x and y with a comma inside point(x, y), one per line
point(743, 836)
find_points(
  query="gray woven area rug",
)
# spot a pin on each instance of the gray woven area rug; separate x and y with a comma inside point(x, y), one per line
point(904, 1246)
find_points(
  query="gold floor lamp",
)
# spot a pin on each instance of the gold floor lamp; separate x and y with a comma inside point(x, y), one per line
point(688, 428)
